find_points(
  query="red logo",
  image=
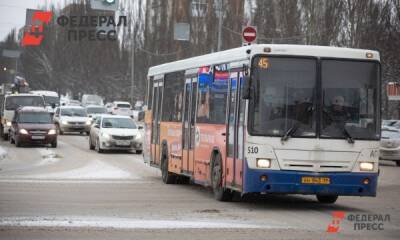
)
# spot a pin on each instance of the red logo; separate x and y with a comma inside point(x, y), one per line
point(337, 216)
point(35, 36)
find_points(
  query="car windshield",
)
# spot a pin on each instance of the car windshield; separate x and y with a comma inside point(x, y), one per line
point(14, 102)
point(349, 99)
point(50, 100)
point(285, 96)
point(118, 123)
point(94, 110)
point(32, 117)
point(73, 112)
point(123, 105)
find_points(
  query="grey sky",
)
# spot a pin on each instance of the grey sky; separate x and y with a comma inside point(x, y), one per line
point(12, 13)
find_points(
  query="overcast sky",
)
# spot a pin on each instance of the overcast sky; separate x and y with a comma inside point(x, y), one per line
point(12, 13)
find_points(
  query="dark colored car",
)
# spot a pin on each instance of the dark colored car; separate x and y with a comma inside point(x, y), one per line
point(32, 126)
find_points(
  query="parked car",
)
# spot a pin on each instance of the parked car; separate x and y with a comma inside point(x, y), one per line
point(390, 144)
point(11, 103)
point(95, 110)
point(121, 108)
point(73, 102)
point(33, 125)
point(112, 132)
point(72, 119)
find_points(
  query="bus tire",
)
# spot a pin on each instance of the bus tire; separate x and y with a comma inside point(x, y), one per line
point(167, 177)
point(329, 199)
point(220, 193)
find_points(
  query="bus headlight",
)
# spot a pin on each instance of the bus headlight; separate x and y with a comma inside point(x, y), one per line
point(366, 166)
point(8, 124)
point(263, 163)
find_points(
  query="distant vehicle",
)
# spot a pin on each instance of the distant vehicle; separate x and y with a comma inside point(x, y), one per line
point(111, 132)
point(89, 99)
point(11, 103)
point(121, 108)
point(109, 107)
point(73, 102)
point(51, 99)
point(94, 110)
point(72, 119)
point(33, 125)
point(390, 144)
point(138, 113)
point(390, 122)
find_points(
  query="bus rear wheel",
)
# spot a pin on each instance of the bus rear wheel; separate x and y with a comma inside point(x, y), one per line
point(327, 198)
point(220, 193)
point(167, 177)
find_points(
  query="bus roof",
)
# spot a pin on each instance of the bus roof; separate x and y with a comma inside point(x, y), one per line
point(45, 93)
point(240, 54)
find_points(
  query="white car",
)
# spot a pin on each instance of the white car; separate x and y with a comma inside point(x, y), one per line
point(111, 132)
point(72, 119)
point(121, 108)
point(95, 110)
point(390, 144)
point(51, 99)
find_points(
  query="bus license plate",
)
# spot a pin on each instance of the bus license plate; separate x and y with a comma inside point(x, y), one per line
point(315, 180)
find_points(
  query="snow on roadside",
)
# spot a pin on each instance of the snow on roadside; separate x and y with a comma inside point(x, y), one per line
point(124, 223)
point(93, 170)
point(48, 157)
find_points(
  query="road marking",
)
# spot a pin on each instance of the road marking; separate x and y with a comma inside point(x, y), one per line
point(125, 223)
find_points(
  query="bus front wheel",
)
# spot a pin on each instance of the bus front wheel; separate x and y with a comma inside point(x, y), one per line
point(327, 198)
point(167, 177)
point(220, 193)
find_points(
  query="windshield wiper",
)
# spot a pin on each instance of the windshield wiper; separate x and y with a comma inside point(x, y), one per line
point(289, 133)
point(348, 135)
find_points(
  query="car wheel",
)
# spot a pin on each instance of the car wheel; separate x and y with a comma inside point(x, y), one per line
point(17, 142)
point(220, 193)
point(97, 146)
point(327, 198)
point(167, 177)
point(87, 133)
point(59, 130)
point(139, 151)
point(91, 147)
point(54, 144)
point(398, 163)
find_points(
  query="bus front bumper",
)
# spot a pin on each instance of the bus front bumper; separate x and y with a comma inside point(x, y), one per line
point(290, 182)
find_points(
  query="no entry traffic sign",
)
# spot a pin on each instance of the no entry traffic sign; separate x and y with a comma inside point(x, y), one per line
point(249, 34)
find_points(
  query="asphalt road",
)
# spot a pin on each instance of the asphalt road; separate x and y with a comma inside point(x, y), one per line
point(72, 192)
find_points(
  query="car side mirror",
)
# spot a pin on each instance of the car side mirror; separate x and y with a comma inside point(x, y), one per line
point(246, 94)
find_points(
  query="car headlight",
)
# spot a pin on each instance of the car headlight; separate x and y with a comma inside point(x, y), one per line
point(64, 122)
point(23, 131)
point(106, 135)
point(52, 132)
point(8, 124)
point(88, 122)
point(138, 136)
point(366, 166)
point(263, 163)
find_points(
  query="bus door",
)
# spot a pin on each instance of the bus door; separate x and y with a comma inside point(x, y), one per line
point(188, 134)
point(155, 126)
point(235, 132)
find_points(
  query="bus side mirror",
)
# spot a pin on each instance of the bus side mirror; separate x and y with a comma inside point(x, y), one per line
point(246, 88)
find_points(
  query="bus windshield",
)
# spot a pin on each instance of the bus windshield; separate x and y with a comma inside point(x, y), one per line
point(285, 96)
point(349, 99)
point(14, 102)
point(285, 99)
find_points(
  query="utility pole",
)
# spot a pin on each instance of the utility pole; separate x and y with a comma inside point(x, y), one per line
point(132, 61)
point(219, 25)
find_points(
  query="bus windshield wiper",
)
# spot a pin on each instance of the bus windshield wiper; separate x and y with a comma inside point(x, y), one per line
point(348, 135)
point(289, 133)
